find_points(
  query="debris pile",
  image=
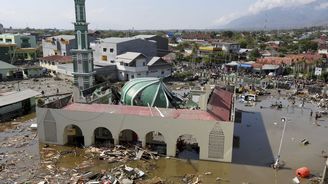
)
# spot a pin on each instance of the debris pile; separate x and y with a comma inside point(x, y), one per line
point(120, 153)
point(191, 179)
point(121, 174)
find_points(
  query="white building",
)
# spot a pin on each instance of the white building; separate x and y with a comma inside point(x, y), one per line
point(228, 47)
point(106, 50)
point(131, 65)
point(52, 63)
point(210, 130)
point(58, 45)
point(159, 68)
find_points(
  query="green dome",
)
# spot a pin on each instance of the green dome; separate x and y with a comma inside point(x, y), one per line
point(147, 91)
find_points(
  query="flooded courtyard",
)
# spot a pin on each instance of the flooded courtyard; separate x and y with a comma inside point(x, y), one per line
point(256, 141)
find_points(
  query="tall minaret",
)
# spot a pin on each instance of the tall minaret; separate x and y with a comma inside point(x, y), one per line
point(82, 55)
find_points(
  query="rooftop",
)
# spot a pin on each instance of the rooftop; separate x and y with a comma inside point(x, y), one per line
point(147, 92)
point(154, 60)
point(270, 67)
point(129, 56)
point(220, 104)
point(143, 111)
point(4, 65)
point(116, 40)
point(65, 37)
point(144, 36)
point(16, 96)
point(59, 59)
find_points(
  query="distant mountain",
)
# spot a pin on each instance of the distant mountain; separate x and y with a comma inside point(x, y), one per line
point(284, 18)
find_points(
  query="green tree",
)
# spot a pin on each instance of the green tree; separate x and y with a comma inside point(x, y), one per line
point(227, 34)
point(308, 45)
point(254, 54)
point(324, 76)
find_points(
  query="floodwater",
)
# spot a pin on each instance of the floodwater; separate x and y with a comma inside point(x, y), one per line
point(257, 139)
point(259, 136)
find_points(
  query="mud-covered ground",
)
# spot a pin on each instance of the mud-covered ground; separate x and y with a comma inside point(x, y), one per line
point(48, 85)
point(19, 157)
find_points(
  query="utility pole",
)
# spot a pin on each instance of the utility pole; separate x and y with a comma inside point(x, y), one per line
point(276, 164)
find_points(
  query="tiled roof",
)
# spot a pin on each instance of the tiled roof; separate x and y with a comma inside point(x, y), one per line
point(290, 59)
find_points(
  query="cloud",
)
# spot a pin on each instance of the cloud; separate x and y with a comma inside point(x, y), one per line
point(262, 5)
point(227, 19)
point(323, 6)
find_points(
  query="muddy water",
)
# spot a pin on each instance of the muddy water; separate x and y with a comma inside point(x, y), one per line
point(259, 136)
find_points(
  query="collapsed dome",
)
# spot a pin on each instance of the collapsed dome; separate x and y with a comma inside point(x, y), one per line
point(148, 92)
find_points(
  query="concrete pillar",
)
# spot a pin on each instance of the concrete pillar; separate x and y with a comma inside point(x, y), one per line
point(88, 141)
point(171, 148)
point(143, 141)
point(88, 138)
point(116, 140)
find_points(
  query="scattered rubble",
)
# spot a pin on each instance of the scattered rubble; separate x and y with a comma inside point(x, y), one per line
point(120, 153)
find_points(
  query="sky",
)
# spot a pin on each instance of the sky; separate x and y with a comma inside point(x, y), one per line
point(135, 14)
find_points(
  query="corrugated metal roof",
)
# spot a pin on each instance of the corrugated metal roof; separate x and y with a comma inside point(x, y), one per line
point(161, 61)
point(270, 67)
point(17, 96)
point(220, 104)
point(4, 65)
point(144, 36)
point(153, 61)
point(129, 56)
point(65, 37)
point(116, 40)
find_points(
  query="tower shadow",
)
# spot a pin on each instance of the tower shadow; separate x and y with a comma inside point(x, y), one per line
point(251, 142)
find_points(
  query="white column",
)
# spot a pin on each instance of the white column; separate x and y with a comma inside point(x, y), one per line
point(171, 148)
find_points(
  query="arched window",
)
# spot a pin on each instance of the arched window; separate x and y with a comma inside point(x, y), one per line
point(216, 143)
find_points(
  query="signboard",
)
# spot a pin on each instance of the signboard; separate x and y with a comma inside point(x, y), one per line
point(317, 71)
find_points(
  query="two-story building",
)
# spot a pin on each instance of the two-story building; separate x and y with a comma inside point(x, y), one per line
point(157, 67)
point(54, 63)
point(162, 43)
point(17, 47)
point(131, 65)
point(106, 50)
point(227, 47)
point(58, 45)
